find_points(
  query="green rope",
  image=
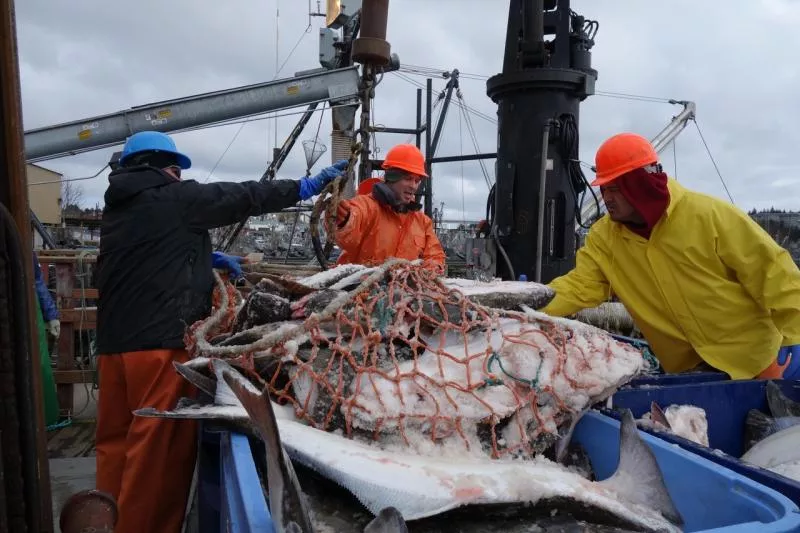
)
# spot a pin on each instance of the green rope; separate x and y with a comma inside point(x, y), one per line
point(59, 425)
point(385, 314)
point(532, 383)
point(643, 346)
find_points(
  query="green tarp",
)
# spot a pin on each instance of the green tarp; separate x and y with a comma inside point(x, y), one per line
point(48, 382)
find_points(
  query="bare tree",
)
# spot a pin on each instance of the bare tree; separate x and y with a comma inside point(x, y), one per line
point(71, 195)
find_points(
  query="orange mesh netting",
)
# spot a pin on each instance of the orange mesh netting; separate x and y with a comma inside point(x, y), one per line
point(400, 357)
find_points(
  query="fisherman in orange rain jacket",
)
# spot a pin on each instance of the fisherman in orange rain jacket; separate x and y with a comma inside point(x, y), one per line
point(386, 222)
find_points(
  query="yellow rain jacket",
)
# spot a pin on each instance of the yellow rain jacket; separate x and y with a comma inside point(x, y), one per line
point(708, 285)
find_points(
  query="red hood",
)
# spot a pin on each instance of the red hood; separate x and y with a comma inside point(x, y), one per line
point(648, 194)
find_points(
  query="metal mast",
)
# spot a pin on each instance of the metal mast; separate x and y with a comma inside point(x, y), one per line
point(538, 178)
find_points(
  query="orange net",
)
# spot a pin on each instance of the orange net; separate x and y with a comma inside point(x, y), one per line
point(397, 356)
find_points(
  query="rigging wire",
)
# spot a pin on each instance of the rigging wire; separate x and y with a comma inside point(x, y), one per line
point(471, 109)
point(277, 73)
point(308, 172)
point(465, 109)
point(713, 161)
point(474, 136)
point(429, 71)
point(219, 159)
point(67, 180)
point(461, 153)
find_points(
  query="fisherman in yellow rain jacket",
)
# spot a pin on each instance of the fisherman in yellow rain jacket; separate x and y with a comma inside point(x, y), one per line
point(701, 279)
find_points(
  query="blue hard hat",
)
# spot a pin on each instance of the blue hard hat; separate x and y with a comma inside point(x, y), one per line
point(146, 141)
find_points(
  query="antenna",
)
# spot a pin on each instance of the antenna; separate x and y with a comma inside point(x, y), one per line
point(318, 13)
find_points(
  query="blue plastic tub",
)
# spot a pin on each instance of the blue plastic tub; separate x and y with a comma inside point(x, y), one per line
point(710, 497)
point(726, 404)
point(660, 380)
point(230, 498)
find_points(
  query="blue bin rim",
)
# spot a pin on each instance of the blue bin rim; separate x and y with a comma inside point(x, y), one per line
point(688, 378)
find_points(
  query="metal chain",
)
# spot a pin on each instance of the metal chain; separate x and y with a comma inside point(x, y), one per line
point(330, 196)
point(328, 201)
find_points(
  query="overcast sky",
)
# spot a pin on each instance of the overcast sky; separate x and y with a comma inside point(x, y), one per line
point(84, 58)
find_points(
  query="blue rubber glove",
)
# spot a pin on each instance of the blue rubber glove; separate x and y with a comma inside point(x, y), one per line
point(790, 356)
point(227, 262)
point(310, 187)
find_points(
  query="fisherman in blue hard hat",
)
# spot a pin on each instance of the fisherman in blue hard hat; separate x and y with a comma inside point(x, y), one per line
point(154, 280)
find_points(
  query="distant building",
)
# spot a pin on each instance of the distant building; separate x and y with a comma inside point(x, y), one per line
point(45, 199)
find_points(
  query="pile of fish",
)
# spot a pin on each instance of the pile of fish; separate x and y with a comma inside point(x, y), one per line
point(397, 355)
point(773, 441)
point(433, 493)
point(421, 394)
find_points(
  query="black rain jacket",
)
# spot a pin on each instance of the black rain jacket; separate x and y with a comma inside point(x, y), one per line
point(154, 274)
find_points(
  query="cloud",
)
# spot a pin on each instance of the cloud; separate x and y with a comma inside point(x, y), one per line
point(88, 57)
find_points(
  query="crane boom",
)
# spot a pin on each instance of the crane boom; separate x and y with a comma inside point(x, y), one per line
point(183, 113)
point(591, 211)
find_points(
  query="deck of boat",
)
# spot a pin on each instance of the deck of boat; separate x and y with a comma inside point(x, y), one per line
point(71, 451)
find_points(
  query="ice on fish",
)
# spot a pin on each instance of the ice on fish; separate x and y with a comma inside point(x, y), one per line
point(288, 508)
point(502, 294)
point(610, 316)
point(687, 421)
point(261, 308)
point(773, 442)
point(483, 378)
point(790, 469)
point(327, 278)
point(779, 448)
point(409, 359)
point(420, 486)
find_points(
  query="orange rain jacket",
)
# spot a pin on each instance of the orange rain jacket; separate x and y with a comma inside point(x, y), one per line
point(375, 232)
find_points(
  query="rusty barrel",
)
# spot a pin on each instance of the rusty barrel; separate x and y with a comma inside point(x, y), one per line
point(371, 45)
point(89, 510)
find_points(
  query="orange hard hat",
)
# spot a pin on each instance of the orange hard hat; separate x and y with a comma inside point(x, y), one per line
point(405, 157)
point(621, 154)
point(365, 187)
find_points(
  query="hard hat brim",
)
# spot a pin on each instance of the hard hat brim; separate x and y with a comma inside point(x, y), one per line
point(183, 160)
point(599, 182)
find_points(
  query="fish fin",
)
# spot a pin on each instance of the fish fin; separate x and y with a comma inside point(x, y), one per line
point(657, 415)
point(756, 427)
point(204, 383)
point(223, 395)
point(286, 500)
point(389, 520)
point(638, 478)
point(188, 410)
point(563, 443)
point(779, 404)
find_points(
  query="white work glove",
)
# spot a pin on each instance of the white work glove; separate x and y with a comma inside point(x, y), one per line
point(54, 327)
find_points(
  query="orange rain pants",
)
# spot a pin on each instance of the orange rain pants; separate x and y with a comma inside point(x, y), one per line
point(145, 463)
